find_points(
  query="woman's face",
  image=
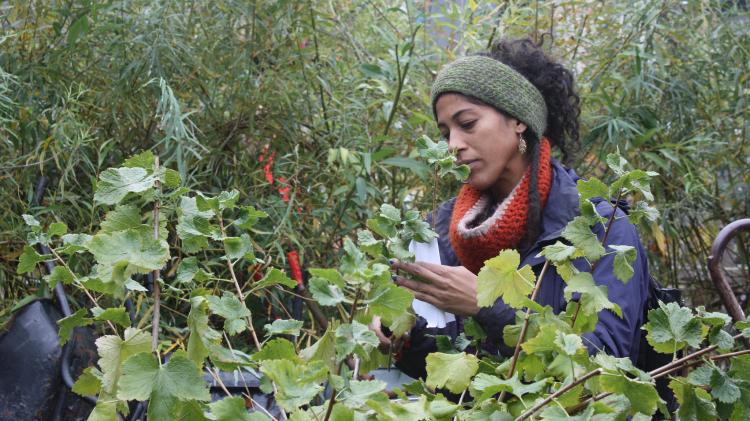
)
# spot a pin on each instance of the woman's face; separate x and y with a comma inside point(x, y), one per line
point(485, 140)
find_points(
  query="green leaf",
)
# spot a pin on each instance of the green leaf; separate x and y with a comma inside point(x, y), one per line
point(273, 277)
point(556, 413)
point(145, 160)
point(390, 212)
point(249, 216)
point(331, 275)
point(234, 312)
point(642, 395)
point(238, 247)
point(568, 343)
point(418, 230)
point(369, 244)
point(57, 229)
point(163, 385)
point(89, 382)
point(28, 260)
point(589, 189)
point(484, 386)
point(202, 336)
point(74, 243)
point(169, 178)
point(382, 226)
point(616, 163)
point(284, 327)
point(115, 314)
point(354, 261)
point(643, 210)
point(355, 337)
point(500, 277)
point(623, 264)
point(189, 270)
point(722, 339)
point(325, 294)
point(141, 252)
point(542, 342)
point(361, 391)
point(115, 183)
point(593, 297)
point(740, 368)
point(276, 349)
point(32, 222)
point(559, 252)
point(723, 387)
point(389, 302)
point(451, 371)
point(579, 233)
point(59, 274)
point(67, 324)
point(231, 408)
point(403, 323)
point(672, 328)
point(121, 218)
point(324, 350)
point(104, 411)
point(113, 350)
point(193, 226)
point(297, 383)
point(695, 403)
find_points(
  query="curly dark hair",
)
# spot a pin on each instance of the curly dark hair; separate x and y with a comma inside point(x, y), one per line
point(553, 80)
point(557, 85)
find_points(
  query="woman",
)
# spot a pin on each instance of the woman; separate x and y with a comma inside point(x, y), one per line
point(501, 113)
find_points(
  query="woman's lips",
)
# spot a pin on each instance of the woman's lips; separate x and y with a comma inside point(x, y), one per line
point(471, 163)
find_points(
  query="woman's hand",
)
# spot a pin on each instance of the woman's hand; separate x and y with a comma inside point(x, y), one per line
point(449, 288)
point(385, 342)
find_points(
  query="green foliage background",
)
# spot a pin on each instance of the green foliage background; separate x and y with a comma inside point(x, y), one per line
point(339, 91)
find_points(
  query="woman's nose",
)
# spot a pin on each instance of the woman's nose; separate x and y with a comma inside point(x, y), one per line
point(456, 142)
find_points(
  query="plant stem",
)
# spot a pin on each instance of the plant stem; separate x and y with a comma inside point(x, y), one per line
point(559, 393)
point(354, 305)
point(604, 244)
point(667, 369)
point(230, 266)
point(330, 405)
point(155, 275)
point(522, 335)
point(80, 285)
point(681, 361)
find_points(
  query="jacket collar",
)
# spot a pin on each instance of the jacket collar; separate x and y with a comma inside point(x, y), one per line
point(562, 206)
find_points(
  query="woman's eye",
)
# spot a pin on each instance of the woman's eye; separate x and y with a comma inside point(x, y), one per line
point(468, 125)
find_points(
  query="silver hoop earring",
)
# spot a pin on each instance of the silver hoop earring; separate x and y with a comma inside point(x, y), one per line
point(521, 144)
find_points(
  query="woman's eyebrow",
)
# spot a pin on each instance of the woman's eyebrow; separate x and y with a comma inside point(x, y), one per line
point(458, 113)
point(455, 116)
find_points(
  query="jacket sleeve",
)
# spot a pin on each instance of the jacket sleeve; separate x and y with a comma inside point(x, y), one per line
point(614, 335)
point(493, 320)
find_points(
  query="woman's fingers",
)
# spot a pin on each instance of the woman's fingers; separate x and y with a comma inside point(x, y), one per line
point(421, 290)
point(429, 272)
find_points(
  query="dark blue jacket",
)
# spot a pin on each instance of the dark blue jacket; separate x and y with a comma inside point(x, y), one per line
point(616, 336)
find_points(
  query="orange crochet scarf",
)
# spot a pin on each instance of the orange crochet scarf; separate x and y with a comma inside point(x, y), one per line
point(476, 241)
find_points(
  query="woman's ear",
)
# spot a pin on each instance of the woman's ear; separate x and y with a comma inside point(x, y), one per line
point(520, 127)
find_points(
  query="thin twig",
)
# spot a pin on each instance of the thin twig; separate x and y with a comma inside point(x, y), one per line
point(522, 335)
point(80, 285)
point(559, 393)
point(155, 275)
point(604, 245)
point(230, 266)
point(667, 369)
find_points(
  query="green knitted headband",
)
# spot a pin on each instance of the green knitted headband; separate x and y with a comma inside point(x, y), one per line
point(495, 84)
